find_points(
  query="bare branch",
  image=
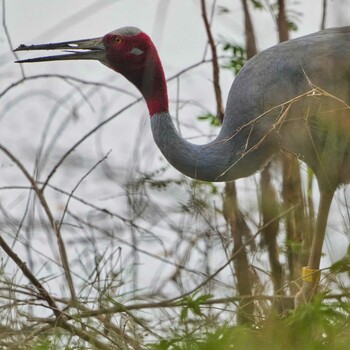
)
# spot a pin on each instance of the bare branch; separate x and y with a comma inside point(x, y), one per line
point(48, 212)
point(216, 70)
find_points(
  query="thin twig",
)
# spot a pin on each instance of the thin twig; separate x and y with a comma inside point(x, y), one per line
point(41, 289)
point(52, 221)
point(216, 70)
point(78, 184)
point(324, 14)
point(7, 34)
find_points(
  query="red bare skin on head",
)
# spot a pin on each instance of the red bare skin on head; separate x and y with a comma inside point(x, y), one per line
point(137, 59)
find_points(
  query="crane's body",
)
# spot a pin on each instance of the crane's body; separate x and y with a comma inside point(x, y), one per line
point(293, 97)
point(299, 102)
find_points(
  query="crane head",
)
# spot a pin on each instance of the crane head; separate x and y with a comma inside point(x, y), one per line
point(125, 50)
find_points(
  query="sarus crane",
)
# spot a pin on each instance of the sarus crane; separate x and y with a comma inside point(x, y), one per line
point(293, 97)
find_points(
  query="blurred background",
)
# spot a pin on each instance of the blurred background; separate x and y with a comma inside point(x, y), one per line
point(79, 170)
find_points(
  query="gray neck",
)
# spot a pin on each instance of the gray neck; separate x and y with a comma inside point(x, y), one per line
point(215, 161)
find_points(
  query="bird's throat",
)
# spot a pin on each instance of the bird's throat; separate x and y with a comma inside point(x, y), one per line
point(152, 84)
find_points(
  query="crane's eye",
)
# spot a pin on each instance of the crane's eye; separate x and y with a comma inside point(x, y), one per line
point(117, 39)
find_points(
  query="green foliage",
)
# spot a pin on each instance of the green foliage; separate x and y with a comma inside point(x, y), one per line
point(294, 246)
point(292, 26)
point(315, 326)
point(202, 185)
point(43, 344)
point(213, 120)
point(257, 4)
point(223, 10)
point(342, 265)
point(193, 303)
point(238, 57)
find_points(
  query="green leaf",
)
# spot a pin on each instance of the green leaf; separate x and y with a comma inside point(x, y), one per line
point(223, 10)
point(342, 265)
point(238, 57)
point(163, 344)
point(211, 118)
point(292, 26)
point(204, 298)
point(193, 304)
point(257, 4)
point(184, 314)
point(43, 345)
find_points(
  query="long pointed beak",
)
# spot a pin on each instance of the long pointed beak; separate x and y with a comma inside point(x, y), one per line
point(88, 49)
